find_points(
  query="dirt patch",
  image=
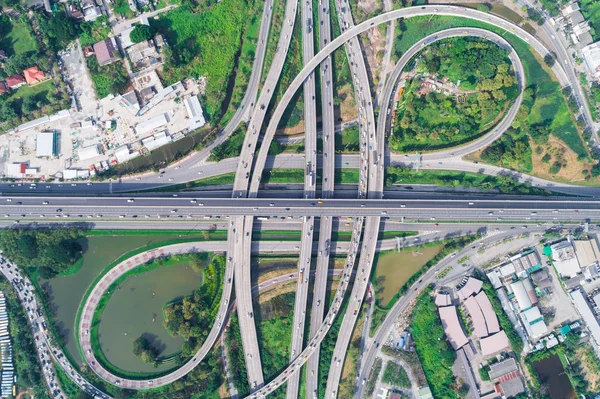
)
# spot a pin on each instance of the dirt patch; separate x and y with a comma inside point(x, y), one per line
point(373, 42)
point(224, 391)
point(348, 110)
point(553, 151)
point(299, 128)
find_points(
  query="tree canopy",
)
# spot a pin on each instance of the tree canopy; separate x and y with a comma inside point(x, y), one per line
point(140, 33)
point(51, 250)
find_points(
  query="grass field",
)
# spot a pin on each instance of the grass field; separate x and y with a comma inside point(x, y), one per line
point(348, 140)
point(206, 44)
point(19, 40)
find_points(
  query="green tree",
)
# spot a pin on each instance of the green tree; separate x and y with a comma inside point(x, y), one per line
point(484, 7)
point(140, 33)
point(550, 60)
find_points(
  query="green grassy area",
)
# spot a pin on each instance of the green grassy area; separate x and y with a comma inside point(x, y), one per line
point(230, 148)
point(394, 374)
point(93, 32)
point(245, 60)
point(503, 183)
point(274, 332)
point(38, 92)
point(19, 39)
point(348, 140)
point(294, 112)
point(235, 354)
point(434, 351)
point(68, 386)
point(206, 44)
point(545, 104)
point(278, 13)
point(108, 79)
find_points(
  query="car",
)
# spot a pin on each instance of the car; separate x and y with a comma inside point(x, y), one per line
point(9, 200)
point(45, 203)
point(130, 200)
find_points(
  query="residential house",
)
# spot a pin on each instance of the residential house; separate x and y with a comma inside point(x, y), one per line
point(143, 54)
point(33, 76)
point(14, 82)
point(105, 51)
point(75, 12)
point(90, 10)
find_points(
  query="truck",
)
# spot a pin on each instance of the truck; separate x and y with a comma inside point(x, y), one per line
point(301, 273)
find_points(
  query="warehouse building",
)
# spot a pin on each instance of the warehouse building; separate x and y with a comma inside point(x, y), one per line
point(46, 144)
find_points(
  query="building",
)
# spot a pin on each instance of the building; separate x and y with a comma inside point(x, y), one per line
point(143, 54)
point(471, 287)
point(564, 259)
point(494, 344)
point(527, 262)
point(46, 144)
point(581, 35)
point(88, 152)
point(491, 320)
point(150, 125)
point(591, 57)
point(158, 140)
point(524, 294)
point(14, 82)
point(75, 12)
point(534, 322)
point(123, 154)
point(504, 367)
point(587, 315)
point(569, 9)
point(587, 252)
point(442, 299)
point(105, 51)
point(510, 385)
point(425, 393)
point(88, 51)
point(452, 327)
point(34, 76)
point(130, 101)
point(477, 319)
point(194, 110)
point(90, 10)
point(19, 171)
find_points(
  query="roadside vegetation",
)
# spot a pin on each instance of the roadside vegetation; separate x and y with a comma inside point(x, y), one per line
point(274, 320)
point(506, 184)
point(430, 120)
point(28, 369)
point(544, 112)
point(206, 44)
point(235, 354)
point(230, 148)
point(434, 351)
point(348, 140)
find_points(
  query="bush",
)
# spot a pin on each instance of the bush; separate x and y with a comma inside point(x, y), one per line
point(140, 33)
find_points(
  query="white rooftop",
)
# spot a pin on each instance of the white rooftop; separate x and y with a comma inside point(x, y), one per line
point(44, 146)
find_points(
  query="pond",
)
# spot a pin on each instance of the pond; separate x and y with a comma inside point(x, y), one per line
point(552, 374)
point(135, 309)
point(395, 268)
point(65, 293)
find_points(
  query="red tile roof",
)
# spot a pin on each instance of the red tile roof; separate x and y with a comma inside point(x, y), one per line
point(14, 81)
point(33, 75)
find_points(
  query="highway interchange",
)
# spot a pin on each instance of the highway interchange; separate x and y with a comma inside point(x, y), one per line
point(368, 212)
